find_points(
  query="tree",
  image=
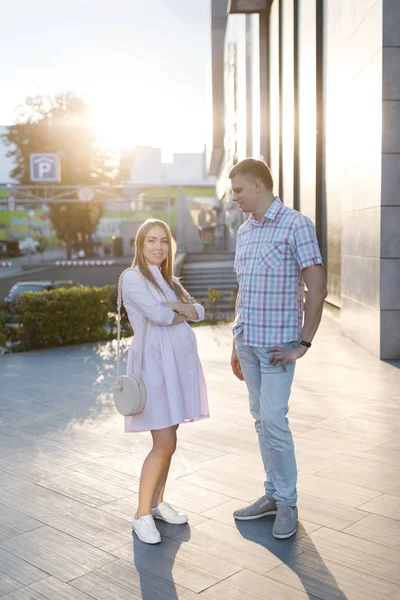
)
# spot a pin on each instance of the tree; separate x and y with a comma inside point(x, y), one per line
point(62, 124)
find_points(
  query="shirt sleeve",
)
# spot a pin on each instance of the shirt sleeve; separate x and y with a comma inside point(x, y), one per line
point(136, 292)
point(199, 308)
point(304, 244)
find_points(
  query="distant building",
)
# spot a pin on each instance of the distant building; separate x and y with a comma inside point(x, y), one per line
point(185, 169)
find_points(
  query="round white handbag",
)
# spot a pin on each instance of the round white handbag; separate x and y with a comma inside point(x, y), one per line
point(129, 391)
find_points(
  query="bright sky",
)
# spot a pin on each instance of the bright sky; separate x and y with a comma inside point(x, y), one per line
point(143, 65)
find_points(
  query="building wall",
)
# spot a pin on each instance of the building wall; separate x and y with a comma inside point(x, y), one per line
point(307, 108)
point(390, 210)
point(333, 130)
point(274, 92)
point(354, 54)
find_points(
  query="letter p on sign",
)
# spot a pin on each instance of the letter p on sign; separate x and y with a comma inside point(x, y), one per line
point(44, 167)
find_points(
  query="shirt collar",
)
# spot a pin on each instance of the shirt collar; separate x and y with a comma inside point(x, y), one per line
point(271, 213)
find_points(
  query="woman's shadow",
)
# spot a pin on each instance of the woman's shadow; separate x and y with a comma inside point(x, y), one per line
point(154, 563)
point(309, 566)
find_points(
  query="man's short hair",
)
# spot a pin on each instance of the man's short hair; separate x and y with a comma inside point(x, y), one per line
point(257, 168)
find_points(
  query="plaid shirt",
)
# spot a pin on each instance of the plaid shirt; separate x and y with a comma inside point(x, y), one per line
point(270, 256)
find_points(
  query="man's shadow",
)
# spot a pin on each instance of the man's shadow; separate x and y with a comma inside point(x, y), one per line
point(317, 579)
point(154, 563)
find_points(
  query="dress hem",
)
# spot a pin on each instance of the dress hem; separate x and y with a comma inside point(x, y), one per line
point(166, 426)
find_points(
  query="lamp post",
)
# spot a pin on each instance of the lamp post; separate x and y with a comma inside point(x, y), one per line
point(31, 214)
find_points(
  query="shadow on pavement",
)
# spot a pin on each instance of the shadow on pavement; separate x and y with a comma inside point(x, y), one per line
point(305, 561)
point(154, 565)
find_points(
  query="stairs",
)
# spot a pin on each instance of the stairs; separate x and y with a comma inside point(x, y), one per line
point(205, 270)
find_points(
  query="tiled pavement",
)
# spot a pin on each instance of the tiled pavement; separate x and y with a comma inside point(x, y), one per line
point(69, 481)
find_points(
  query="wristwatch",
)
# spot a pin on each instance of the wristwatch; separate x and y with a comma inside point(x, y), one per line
point(304, 343)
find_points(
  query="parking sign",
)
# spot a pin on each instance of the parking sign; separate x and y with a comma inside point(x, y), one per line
point(45, 167)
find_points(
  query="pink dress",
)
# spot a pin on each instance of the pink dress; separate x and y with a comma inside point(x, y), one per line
point(172, 372)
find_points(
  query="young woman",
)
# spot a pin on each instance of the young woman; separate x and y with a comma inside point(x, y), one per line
point(172, 373)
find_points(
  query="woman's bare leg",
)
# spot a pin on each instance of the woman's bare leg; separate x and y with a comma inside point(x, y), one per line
point(159, 493)
point(154, 467)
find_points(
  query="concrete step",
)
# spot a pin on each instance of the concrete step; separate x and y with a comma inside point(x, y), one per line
point(202, 267)
point(202, 271)
point(222, 277)
point(209, 257)
point(214, 283)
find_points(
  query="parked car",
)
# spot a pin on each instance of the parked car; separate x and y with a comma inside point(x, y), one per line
point(28, 246)
point(37, 286)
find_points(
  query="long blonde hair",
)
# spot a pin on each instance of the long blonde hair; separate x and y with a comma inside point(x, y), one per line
point(167, 266)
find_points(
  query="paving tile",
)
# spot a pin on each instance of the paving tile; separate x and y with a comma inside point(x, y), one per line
point(243, 488)
point(327, 512)
point(7, 479)
point(35, 469)
point(232, 552)
point(10, 444)
point(356, 456)
point(253, 538)
point(50, 588)
point(84, 488)
point(228, 443)
point(34, 500)
point(328, 580)
point(371, 476)
point(385, 505)
point(118, 478)
point(123, 581)
point(315, 449)
point(202, 451)
point(28, 413)
point(98, 528)
point(191, 497)
point(56, 553)
point(13, 522)
point(387, 451)
point(249, 585)
point(363, 429)
point(312, 465)
point(375, 528)
point(120, 462)
point(355, 553)
point(181, 563)
point(16, 573)
point(336, 491)
point(339, 440)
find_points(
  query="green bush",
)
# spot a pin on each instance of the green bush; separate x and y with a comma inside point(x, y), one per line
point(71, 316)
point(64, 316)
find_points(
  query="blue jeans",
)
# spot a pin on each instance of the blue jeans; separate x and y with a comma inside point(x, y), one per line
point(269, 392)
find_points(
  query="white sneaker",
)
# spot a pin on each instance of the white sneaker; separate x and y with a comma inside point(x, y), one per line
point(146, 530)
point(165, 512)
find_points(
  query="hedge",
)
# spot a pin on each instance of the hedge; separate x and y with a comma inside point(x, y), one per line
point(70, 316)
point(65, 316)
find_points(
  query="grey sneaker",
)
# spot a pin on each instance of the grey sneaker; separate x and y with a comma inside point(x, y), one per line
point(262, 507)
point(285, 523)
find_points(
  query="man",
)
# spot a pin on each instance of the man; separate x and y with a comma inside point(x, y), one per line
point(276, 253)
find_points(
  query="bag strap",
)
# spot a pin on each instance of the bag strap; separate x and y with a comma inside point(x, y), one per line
point(119, 304)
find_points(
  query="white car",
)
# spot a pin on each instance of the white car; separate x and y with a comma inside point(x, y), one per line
point(28, 246)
